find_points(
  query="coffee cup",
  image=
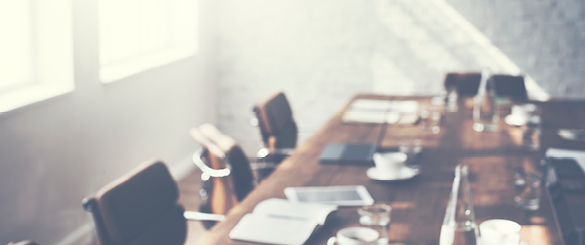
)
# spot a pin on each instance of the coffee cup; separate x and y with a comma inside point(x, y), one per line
point(355, 236)
point(500, 232)
point(389, 164)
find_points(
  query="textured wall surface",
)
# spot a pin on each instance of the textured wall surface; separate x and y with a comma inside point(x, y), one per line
point(321, 53)
point(546, 38)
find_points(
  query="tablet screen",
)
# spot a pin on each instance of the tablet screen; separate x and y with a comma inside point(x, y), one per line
point(339, 195)
point(328, 196)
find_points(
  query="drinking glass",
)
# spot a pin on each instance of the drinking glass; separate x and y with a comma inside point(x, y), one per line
point(413, 151)
point(531, 131)
point(377, 217)
point(451, 101)
point(527, 188)
point(485, 116)
point(430, 118)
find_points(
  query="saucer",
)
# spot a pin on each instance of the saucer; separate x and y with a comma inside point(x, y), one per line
point(404, 174)
point(515, 119)
point(480, 242)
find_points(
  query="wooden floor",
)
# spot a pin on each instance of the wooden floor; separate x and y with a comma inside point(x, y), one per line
point(189, 198)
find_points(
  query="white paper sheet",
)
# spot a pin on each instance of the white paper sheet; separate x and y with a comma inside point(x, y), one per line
point(279, 221)
point(266, 229)
point(579, 156)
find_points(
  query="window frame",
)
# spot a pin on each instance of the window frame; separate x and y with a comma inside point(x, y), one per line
point(178, 50)
point(52, 56)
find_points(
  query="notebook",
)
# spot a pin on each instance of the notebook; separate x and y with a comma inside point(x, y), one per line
point(354, 154)
point(382, 111)
point(569, 164)
point(279, 221)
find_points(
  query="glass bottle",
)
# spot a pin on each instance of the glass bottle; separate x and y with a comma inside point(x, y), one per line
point(459, 227)
point(485, 117)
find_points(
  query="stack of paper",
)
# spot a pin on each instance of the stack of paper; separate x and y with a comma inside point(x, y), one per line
point(382, 111)
point(579, 156)
point(279, 221)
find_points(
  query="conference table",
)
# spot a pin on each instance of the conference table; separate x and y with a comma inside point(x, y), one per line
point(419, 204)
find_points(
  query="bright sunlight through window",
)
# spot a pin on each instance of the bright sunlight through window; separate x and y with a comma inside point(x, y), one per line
point(36, 61)
point(136, 35)
point(16, 48)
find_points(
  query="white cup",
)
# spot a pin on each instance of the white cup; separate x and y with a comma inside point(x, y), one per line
point(389, 164)
point(355, 236)
point(499, 232)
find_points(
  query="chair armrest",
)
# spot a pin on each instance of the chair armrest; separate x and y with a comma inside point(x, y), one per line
point(259, 165)
point(264, 152)
point(89, 204)
point(206, 169)
point(198, 216)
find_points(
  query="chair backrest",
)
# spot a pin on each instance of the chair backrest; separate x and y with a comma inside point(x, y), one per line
point(466, 84)
point(512, 87)
point(223, 152)
point(275, 120)
point(139, 208)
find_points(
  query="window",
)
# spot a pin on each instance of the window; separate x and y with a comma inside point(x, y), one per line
point(36, 47)
point(15, 18)
point(136, 35)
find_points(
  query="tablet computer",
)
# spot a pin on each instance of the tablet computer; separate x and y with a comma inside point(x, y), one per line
point(354, 195)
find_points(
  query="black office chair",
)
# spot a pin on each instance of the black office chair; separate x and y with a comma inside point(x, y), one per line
point(278, 128)
point(512, 87)
point(277, 125)
point(467, 85)
point(141, 208)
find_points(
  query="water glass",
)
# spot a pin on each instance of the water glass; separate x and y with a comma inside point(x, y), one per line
point(531, 133)
point(527, 191)
point(377, 217)
point(430, 118)
point(451, 101)
point(413, 152)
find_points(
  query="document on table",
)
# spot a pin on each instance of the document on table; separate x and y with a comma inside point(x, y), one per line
point(401, 106)
point(279, 221)
point(382, 111)
point(579, 156)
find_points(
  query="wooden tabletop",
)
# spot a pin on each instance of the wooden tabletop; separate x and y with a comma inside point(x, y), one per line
point(418, 205)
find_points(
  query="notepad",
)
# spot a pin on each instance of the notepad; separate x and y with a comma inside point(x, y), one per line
point(382, 111)
point(279, 221)
point(354, 154)
point(577, 156)
point(400, 106)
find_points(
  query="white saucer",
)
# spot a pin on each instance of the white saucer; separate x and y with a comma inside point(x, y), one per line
point(515, 120)
point(404, 174)
point(480, 242)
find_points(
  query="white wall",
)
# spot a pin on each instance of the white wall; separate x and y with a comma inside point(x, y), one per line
point(54, 153)
point(544, 37)
point(322, 53)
